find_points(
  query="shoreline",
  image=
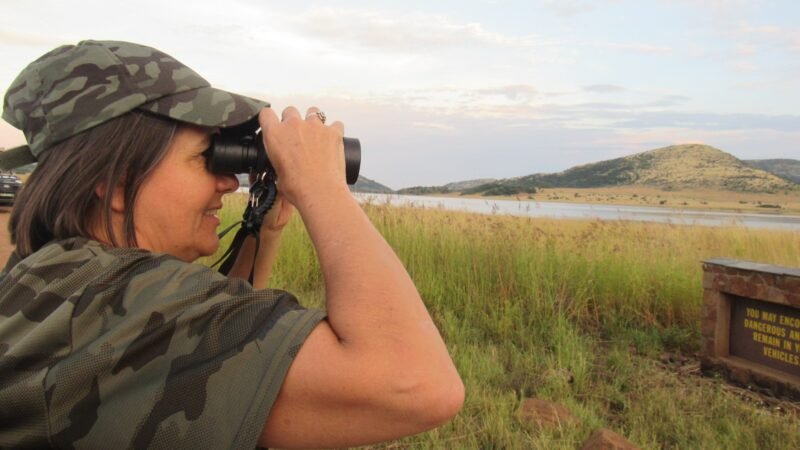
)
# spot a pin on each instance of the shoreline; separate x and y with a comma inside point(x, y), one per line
point(584, 211)
point(700, 201)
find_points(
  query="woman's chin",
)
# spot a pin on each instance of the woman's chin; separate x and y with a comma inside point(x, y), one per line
point(211, 246)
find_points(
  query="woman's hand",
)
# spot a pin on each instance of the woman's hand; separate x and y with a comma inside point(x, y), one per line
point(277, 217)
point(307, 155)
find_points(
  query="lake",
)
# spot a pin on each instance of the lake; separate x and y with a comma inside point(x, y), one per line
point(588, 211)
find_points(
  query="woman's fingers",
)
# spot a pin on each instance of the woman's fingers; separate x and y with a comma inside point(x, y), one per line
point(306, 154)
point(279, 215)
point(289, 112)
point(313, 113)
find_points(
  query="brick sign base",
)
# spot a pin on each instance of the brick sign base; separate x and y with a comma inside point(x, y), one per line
point(751, 324)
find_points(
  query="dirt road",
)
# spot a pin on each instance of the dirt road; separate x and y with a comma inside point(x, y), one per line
point(5, 244)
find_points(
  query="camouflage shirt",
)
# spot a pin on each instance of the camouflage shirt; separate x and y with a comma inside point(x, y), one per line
point(122, 348)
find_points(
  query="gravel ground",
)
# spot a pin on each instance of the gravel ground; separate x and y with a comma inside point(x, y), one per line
point(5, 243)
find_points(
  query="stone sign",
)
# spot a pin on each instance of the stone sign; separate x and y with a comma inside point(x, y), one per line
point(751, 325)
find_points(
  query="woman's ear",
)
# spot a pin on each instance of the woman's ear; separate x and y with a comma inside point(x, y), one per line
point(117, 196)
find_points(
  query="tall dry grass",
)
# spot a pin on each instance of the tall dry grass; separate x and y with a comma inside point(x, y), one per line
point(573, 311)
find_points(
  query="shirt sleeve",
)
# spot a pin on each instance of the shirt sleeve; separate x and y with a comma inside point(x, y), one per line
point(176, 356)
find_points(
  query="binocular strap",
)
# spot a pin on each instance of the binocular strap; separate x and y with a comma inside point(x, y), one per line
point(262, 196)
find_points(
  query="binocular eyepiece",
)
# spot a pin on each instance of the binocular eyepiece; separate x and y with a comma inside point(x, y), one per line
point(241, 150)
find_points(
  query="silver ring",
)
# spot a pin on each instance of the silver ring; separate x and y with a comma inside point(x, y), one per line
point(321, 115)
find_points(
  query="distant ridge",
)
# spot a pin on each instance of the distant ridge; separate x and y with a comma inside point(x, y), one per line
point(461, 185)
point(677, 167)
point(366, 185)
point(785, 168)
point(458, 186)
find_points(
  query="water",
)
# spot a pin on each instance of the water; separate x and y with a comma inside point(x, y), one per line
point(587, 211)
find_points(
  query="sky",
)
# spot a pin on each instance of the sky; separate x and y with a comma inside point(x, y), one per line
point(444, 91)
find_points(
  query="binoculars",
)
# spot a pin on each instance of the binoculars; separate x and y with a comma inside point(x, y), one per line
point(241, 150)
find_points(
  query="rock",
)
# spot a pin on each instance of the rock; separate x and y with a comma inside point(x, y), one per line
point(544, 413)
point(605, 439)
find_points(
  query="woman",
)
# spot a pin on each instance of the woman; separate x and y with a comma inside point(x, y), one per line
point(110, 337)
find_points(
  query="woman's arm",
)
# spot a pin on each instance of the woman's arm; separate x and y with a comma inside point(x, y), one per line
point(377, 368)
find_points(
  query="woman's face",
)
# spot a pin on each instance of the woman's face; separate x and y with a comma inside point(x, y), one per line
point(177, 207)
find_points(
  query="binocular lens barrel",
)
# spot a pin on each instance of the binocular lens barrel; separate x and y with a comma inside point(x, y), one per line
point(230, 154)
point(352, 159)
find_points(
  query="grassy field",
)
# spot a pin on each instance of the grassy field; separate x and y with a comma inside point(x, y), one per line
point(578, 312)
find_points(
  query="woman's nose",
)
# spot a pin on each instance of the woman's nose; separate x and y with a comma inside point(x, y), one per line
point(227, 182)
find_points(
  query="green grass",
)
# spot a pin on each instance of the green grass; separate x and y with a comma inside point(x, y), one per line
point(577, 312)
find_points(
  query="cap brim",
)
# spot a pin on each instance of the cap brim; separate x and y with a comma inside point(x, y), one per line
point(207, 106)
point(16, 157)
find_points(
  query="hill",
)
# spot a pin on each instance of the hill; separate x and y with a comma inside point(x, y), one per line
point(364, 184)
point(459, 186)
point(689, 166)
point(462, 185)
point(784, 168)
point(677, 167)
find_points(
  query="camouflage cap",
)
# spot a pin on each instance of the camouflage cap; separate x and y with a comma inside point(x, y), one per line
point(76, 87)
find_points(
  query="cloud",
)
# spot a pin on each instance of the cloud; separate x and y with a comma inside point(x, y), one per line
point(774, 36)
point(668, 100)
point(716, 6)
point(517, 92)
point(568, 8)
point(403, 32)
point(604, 88)
point(434, 126)
point(646, 114)
point(709, 121)
point(28, 39)
point(744, 66)
point(517, 106)
point(769, 30)
point(744, 144)
point(745, 49)
point(646, 49)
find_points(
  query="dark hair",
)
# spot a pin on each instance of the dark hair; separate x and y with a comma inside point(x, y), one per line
point(59, 200)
